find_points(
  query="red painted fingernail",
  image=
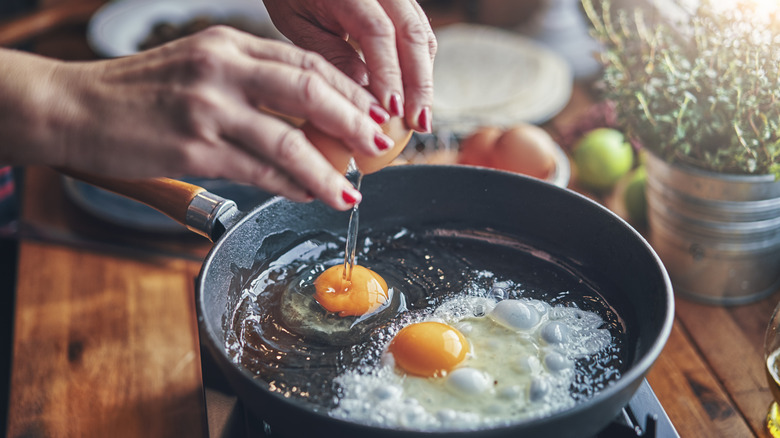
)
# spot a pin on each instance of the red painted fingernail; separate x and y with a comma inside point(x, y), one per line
point(424, 119)
point(396, 108)
point(378, 113)
point(351, 196)
point(382, 141)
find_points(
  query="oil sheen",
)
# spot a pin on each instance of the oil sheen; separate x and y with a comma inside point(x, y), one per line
point(466, 279)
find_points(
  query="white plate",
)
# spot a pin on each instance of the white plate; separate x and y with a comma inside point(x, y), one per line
point(117, 28)
point(487, 76)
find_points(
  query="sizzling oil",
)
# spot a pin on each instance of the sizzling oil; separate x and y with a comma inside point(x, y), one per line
point(422, 268)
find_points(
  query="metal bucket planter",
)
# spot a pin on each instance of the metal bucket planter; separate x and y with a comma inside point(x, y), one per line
point(718, 234)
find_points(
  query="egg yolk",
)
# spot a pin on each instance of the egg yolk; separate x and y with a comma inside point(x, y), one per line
point(428, 349)
point(365, 292)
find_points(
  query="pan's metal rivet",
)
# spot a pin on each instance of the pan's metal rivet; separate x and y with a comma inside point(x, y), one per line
point(205, 212)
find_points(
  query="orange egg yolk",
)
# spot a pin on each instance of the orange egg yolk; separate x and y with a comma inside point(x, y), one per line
point(365, 292)
point(428, 349)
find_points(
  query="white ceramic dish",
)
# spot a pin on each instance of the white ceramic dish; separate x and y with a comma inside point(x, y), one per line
point(487, 76)
point(117, 28)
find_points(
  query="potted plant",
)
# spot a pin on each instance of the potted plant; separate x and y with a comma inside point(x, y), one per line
point(702, 97)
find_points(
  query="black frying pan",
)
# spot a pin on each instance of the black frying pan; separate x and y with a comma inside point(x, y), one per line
point(578, 232)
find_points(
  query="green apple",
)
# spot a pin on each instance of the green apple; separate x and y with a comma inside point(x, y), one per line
point(602, 157)
point(635, 198)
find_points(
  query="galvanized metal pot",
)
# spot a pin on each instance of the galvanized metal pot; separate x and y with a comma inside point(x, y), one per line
point(717, 234)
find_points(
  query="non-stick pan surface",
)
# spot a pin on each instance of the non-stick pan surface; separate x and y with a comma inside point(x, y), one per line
point(577, 231)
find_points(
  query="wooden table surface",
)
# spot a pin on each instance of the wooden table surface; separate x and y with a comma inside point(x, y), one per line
point(106, 343)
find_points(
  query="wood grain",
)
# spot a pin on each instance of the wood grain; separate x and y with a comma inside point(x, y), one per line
point(692, 396)
point(104, 347)
point(106, 343)
point(731, 341)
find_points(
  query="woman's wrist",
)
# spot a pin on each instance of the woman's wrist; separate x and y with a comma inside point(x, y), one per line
point(32, 109)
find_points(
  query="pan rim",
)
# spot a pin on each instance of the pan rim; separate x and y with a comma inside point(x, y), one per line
point(632, 376)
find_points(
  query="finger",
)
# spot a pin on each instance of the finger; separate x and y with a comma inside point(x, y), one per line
point(330, 47)
point(288, 149)
point(367, 23)
point(432, 44)
point(306, 94)
point(249, 170)
point(227, 158)
point(416, 46)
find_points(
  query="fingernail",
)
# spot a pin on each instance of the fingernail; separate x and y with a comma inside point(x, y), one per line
point(310, 196)
point(424, 119)
point(396, 107)
point(378, 113)
point(351, 196)
point(382, 141)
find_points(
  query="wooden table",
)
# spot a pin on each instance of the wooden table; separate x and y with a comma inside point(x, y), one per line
point(106, 343)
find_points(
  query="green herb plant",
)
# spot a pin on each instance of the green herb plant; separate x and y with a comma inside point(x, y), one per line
point(705, 92)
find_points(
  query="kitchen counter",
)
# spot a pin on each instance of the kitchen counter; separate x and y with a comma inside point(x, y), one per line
point(106, 342)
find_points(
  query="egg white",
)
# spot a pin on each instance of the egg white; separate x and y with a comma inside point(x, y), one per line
point(520, 365)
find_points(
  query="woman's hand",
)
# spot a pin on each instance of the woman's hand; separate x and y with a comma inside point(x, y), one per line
point(394, 36)
point(191, 108)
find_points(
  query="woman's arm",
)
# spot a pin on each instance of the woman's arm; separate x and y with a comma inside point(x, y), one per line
point(190, 108)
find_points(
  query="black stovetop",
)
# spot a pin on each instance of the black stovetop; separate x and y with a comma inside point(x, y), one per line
point(227, 418)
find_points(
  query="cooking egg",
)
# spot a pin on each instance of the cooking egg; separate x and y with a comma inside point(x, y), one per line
point(302, 308)
point(363, 293)
point(474, 362)
point(525, 149)
point(428, 349)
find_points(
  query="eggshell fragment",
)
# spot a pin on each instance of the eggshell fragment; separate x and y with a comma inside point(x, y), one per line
point(396, 129)
point(338, 154)
point(525, 149)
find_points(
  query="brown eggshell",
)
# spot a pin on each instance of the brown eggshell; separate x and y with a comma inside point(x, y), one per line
point(396, 129)
point(332, 149)
point(525, 149)
point(338, 154)
point(477, 148)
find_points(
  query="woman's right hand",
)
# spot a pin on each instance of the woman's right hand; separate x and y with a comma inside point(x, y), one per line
point(191, 107)
point(397, 47)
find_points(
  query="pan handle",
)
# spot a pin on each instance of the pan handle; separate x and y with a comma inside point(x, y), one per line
point(193, 206)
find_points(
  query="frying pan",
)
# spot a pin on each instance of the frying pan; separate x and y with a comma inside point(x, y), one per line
point(574, 230)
